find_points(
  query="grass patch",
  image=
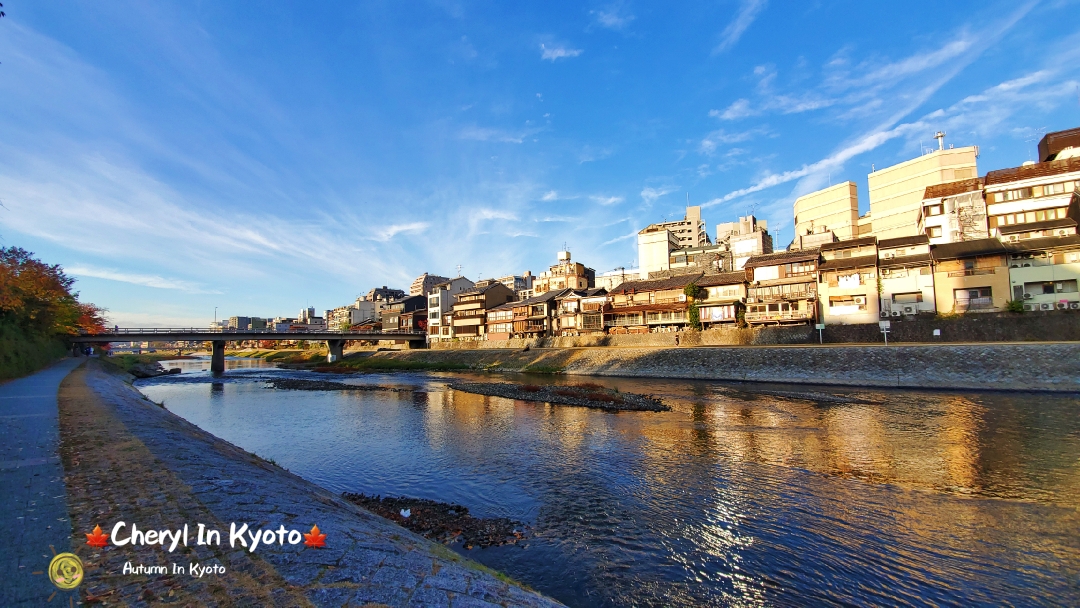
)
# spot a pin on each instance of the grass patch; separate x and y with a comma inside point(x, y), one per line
point(22, 353)
point(542, 369)
point(388, 364)
point(127, 362)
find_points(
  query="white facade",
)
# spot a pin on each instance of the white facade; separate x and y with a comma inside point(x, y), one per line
point(440, 302)
point(654, 250)
point(907, 278)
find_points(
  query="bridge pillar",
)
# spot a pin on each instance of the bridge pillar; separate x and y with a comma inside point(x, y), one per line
point(337, 350)
point(217, 357)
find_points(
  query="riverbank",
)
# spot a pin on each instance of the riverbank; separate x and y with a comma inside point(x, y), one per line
point(128, 459)
point(1051, 367)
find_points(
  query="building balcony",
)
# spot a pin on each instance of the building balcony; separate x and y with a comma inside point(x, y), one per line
point(975, 304)
point(971, 272)
point(765, 317)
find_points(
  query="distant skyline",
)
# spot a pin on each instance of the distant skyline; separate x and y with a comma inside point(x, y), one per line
point(174, 157)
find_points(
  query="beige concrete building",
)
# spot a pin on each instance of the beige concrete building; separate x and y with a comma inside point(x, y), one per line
point(689, 231)
point(971, 276)
point(896, 192)
point(654, 250)
point(907, 276)
point(1044, 272)
point(565, 274)
point(742, 239)
point(848, 285)
point(834, 209)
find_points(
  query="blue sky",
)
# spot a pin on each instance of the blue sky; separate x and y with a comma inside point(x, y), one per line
point(177, 156)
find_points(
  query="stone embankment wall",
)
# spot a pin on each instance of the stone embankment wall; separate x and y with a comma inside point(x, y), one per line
point(1038, 367)
point(1006, 327)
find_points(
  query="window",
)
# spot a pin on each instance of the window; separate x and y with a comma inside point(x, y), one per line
point(907, 298)
point(1066, 286)
point(1015, 195)
point(934, 209)
point(933, 232)
point(1051, 189)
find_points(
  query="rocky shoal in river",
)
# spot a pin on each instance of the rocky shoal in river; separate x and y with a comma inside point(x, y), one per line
point(583, 395)
point(298, 384)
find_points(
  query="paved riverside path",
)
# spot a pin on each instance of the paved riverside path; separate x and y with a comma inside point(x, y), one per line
point(127, 459)
point(33, 503)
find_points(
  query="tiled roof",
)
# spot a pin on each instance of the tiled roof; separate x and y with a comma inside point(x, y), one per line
point(783, 257)
point(547, 296)
point(1050, 242)
point(1065, 222)
point(1015, 174)
point(963, 249)
point(953, 188)
point(478, 290)
point(844, 263)
point(866, 240)
point(903, 241)
point(676, 282)
point(507, 306)
point(648, 307)
point(723, 278)
point(905, 260)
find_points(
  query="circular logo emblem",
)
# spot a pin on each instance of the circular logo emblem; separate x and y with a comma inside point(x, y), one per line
point(66, 570)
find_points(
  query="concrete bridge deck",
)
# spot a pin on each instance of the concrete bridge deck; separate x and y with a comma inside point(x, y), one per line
point(335, 340)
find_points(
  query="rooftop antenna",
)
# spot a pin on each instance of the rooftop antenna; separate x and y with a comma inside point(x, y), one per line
point(459, 270)
point(688, 199)
point(940, 137)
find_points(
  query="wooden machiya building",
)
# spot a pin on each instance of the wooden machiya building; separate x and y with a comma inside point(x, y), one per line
point(782, 288)
point(469, 317)
point(723, 297)
point(581, 312)
point(641, 307)
point(535, 317)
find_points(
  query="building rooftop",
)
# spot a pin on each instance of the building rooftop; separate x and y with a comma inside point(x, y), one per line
point(783, 257)
point(723, 278)
point(845, 263)
point(1056, 141)
point(1065, 222)
point(964, 249)
point(953, 188)
point(919, 259)
point(676, 282)
point(1015, 174)
point(864, 240)
point(904, 241)
point(1071, 241)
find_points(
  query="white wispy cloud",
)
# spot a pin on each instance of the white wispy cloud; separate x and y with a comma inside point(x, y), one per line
point(476, 133)
point(558, 52)
point(146, 280)
point(650, 194)
point(713, 140)
point(607, 200)
point(619, 238)
point(748, 12)
point(389, 232)
point(612, 17)
point(550, 195)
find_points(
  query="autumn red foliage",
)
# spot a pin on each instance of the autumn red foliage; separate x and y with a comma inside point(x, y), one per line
point(37, 297)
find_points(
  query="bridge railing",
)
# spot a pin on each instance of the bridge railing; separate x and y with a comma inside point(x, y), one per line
point(121, 331)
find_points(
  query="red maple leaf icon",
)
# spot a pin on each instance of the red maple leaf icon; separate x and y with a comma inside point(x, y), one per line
point(314, 538)
point(97, 539)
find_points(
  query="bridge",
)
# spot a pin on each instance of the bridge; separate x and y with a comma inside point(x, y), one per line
point(335, 340)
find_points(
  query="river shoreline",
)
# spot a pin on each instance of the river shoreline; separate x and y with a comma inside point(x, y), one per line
point(127, 458)
point(1043, 367)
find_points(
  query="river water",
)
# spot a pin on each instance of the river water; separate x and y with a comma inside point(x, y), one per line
point(744, 494)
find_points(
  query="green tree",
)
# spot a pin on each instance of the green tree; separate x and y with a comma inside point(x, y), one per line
point(692, 292)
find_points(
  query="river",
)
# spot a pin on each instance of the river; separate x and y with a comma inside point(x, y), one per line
point(742, 495)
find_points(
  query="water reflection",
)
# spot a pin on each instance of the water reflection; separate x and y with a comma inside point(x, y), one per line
point(734, 498)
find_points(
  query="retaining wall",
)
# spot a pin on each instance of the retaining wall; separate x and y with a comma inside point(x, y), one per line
point(1038, 367)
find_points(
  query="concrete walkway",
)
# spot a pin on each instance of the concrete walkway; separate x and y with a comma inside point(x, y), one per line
point(33, 501)
point(127, 459)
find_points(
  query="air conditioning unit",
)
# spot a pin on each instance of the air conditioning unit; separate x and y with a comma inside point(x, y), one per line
point(1046, 306)
point(1029, 307)
point(1014, 266)
point(751, 300)
point(1027, 296)
point(884, 314)
point(860, 299)
point(910, 310)
point(1074, 305)
point(1013, 238)
point(1027, 264)
point(888, 256)
point(1061, 233)
point(886, 272)
point(1062, 305)
point(896, 313)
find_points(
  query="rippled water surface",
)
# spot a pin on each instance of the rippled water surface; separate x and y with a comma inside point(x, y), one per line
point(743, 495)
